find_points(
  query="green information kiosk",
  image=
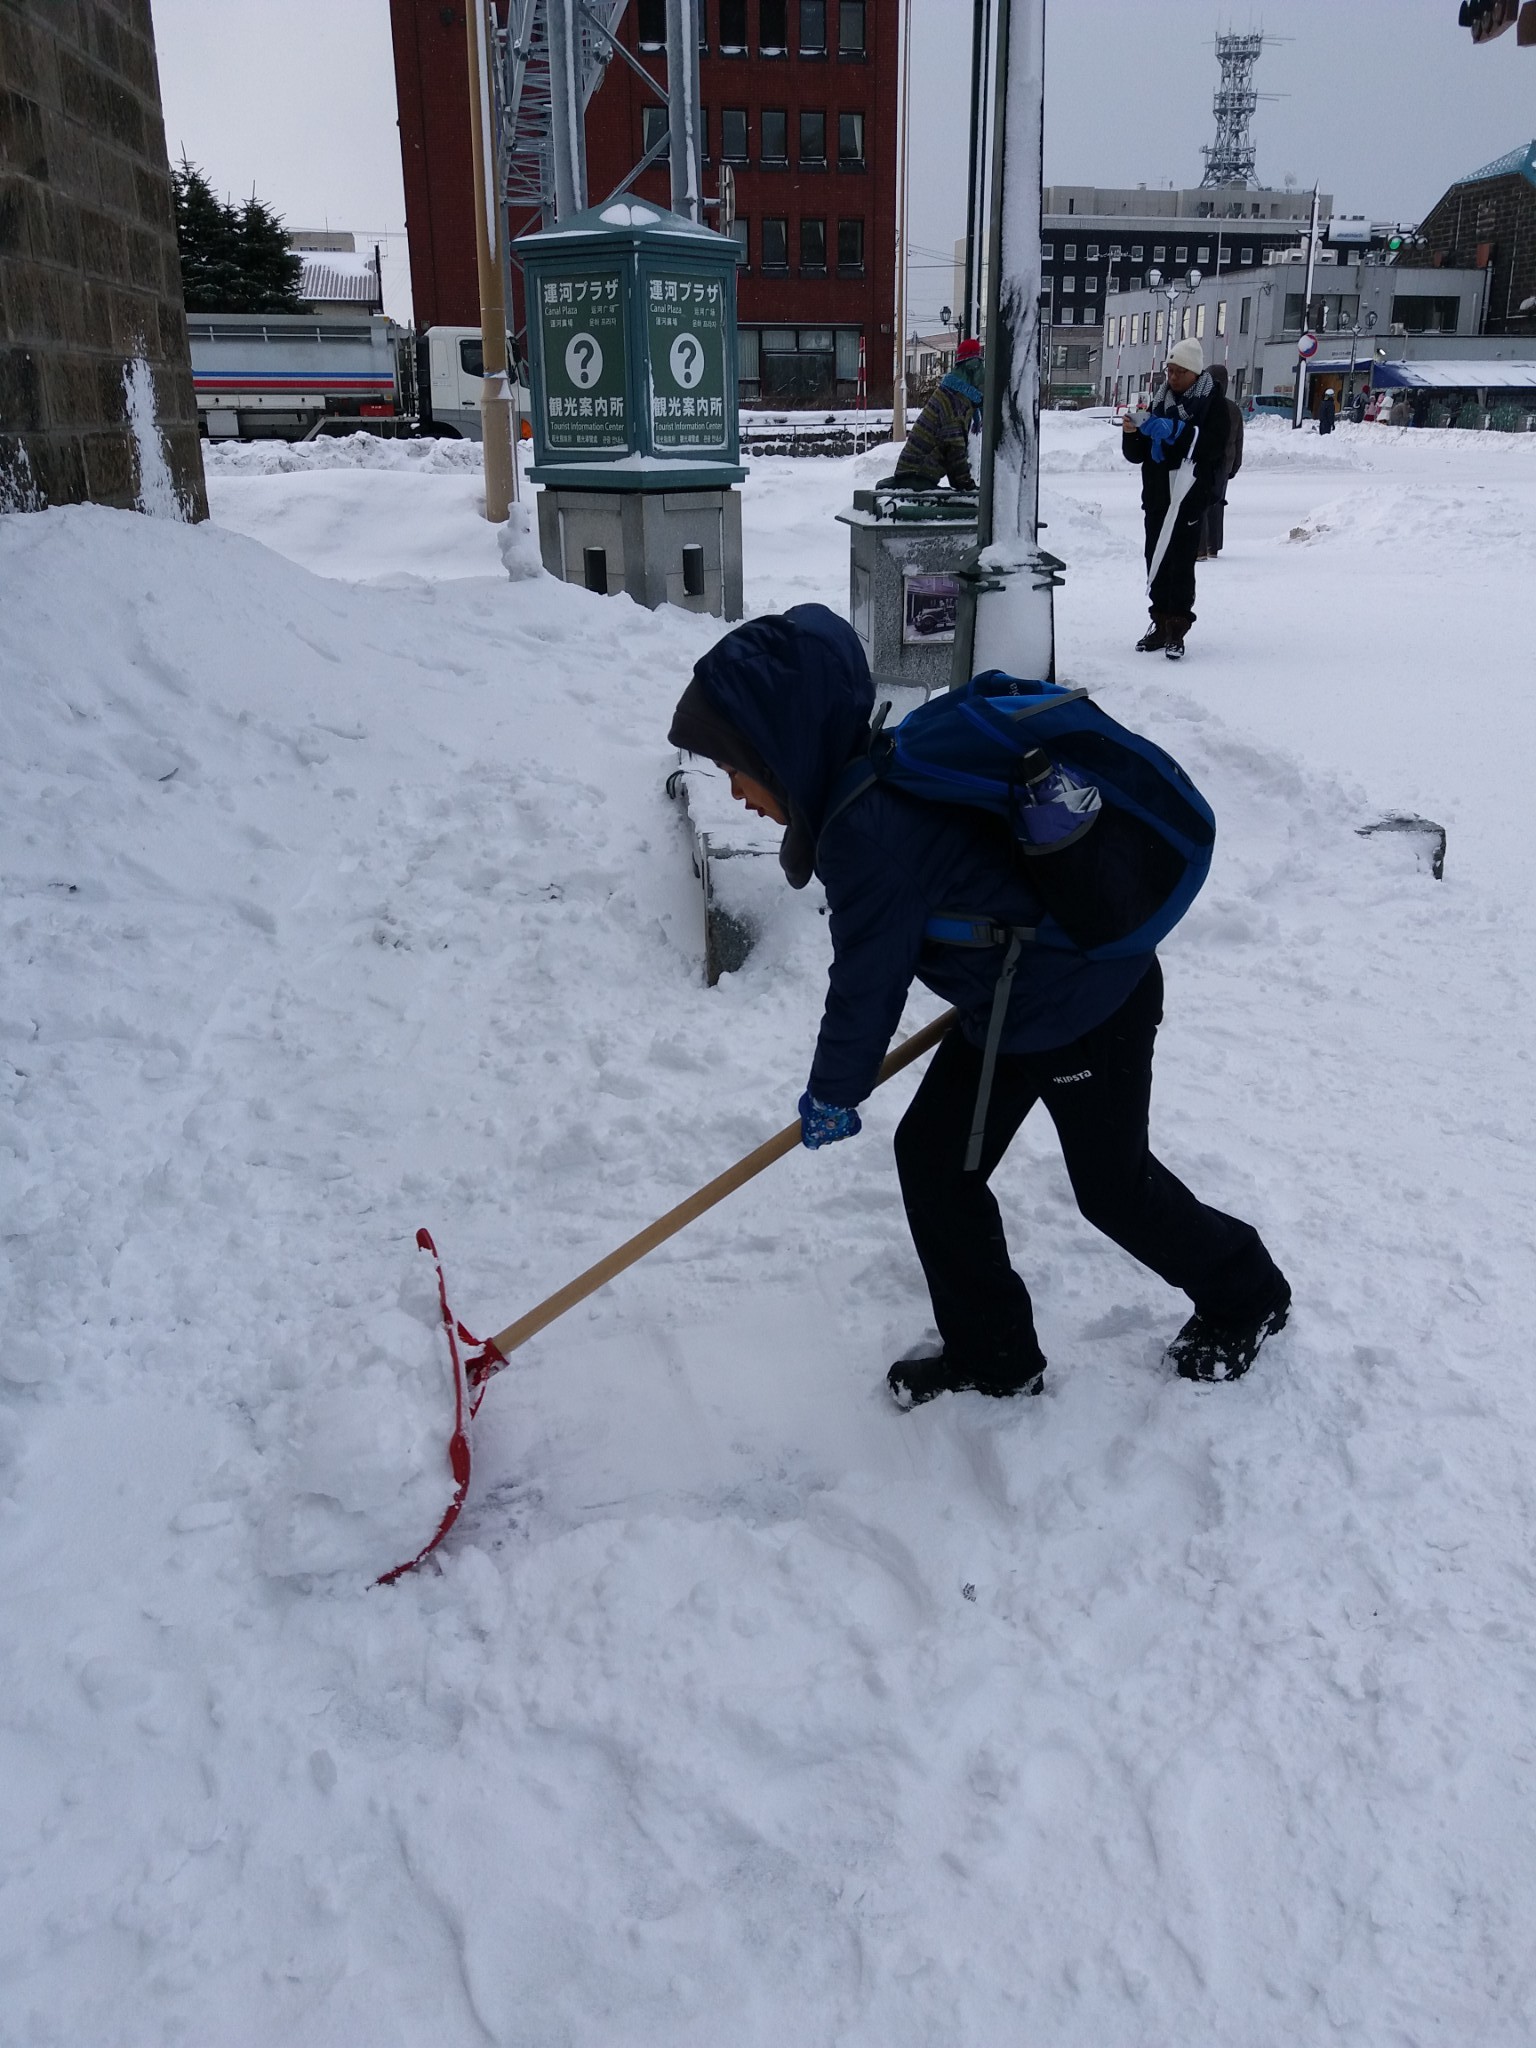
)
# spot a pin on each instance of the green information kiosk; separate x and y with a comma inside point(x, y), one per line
point(632, 349)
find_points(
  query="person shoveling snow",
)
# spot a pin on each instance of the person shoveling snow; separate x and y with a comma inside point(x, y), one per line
point(783, 705)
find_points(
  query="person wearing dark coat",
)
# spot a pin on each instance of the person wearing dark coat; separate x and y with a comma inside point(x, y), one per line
point(1213, 530)
point(1327, 412)
point(1180, 442)
point(939, 445)
point(782, 704)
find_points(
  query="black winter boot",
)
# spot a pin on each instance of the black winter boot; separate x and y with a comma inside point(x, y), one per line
point(915, 1380)
point(1173, 642)
point(1155, 637)
point(1207, 1350)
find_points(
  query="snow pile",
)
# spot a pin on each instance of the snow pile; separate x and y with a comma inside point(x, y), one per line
point(342, 451)
point(741, 1708)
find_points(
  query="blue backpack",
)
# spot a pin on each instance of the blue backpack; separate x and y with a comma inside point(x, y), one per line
point(1116, 837)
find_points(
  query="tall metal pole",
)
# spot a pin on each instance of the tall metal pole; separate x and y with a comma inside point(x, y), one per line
point(899, 383)
point(1298, 410)
point(683, 107)
point(974, 198)
point(495, 399)
point(567, 123)
point(1006, 620)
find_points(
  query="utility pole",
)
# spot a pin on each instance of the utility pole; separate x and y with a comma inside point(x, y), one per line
point(490, 229)
point(899, 386)
point(1005, 616)
point(1300, 408)
point(683, 108)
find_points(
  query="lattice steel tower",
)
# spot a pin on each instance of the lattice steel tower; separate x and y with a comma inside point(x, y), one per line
point(1229, 159)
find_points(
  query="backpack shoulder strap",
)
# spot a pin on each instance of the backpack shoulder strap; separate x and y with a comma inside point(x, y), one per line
point(858, 776)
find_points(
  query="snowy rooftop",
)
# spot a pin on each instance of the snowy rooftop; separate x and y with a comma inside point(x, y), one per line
point(332, 277)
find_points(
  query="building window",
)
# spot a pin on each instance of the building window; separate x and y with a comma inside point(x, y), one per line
point(850, 28)
point(813, 28)
point(850, 139)
point(733, 134)
point(1422, 315)
point(653, 126)
point(704, 135)
point(1092, 252)
point(1248, 255)
point(747, 363)
point(850, 248)
point(1160, 253)
point(773, 128)
point(651, 24)
point(813, 247)
point(1069, 284)
point(1135, 252)
point(1243, 312)
point(813, 137)
point(848, 339)
point(772, 28)
point(742, 240)
point(1203, 253)
point(774, 242)
point(1181, 254)
point(1221, 316)
point(1069, 253)
point(1134, 285)
point(1184, 320)
point(1115, 252)
point(733, 28)
point(1048, 252)
point(1238, 382)
point(1090, 284)
point(1200, 323)
point(1159, 334)
point(1090, 316)
point(1065, 317)
point(799, 366)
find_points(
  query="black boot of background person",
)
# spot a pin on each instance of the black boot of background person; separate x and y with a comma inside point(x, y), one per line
point(1174, 631)
point(1155, 638)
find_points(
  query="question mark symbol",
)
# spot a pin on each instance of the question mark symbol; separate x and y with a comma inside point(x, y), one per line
point(584, 354)
point(690, 350)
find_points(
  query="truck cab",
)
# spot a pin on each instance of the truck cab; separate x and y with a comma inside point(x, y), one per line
point(450, 373)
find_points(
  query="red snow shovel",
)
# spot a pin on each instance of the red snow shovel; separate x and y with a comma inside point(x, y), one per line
point(472, 1371)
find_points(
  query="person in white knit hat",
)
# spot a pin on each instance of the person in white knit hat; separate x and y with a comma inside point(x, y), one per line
point(1180, 440)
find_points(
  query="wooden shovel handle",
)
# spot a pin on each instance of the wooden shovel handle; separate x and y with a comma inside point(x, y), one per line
point(507, 1340)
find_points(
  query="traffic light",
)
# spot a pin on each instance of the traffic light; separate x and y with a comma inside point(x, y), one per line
point(1394, 244)
point(1489, 18)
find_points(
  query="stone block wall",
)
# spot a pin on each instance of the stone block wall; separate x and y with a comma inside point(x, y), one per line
point(96, 397)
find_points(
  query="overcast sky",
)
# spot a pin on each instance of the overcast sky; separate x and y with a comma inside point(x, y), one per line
point(1385, 101)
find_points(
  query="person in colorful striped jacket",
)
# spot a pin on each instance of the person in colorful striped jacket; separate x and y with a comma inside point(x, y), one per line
point(939, 444)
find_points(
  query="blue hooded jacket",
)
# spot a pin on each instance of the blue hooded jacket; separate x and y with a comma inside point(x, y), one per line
point(798, 688)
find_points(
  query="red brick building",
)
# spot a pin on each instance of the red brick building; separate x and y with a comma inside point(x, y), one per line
point(798, 96)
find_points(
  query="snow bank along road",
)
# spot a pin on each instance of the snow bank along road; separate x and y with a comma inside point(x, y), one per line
point(341, 895)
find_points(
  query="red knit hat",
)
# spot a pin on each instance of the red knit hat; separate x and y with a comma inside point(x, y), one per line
point(968, 351)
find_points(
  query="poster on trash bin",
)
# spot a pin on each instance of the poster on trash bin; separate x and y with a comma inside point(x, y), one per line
point(928, 610)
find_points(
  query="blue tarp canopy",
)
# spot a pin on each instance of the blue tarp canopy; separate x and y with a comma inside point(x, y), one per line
point(1454, 374)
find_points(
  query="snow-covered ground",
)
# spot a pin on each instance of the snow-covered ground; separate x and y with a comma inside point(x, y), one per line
point(342, 895)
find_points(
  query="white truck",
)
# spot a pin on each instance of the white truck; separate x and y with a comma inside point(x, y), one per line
point(287, 376)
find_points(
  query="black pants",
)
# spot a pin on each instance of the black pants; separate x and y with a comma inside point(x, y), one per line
point(1097, 1091)
point(1172, 594)
point(1213, 528)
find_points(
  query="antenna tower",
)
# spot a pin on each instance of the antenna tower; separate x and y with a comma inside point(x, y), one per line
point(1229, 159)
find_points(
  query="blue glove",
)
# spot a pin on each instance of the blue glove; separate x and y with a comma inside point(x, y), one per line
point(1159, 430)
point(823, 1123)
